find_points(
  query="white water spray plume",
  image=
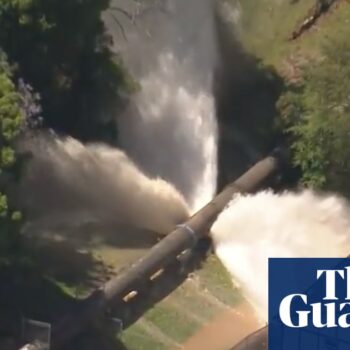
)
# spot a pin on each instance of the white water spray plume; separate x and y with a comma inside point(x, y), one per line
point(68, 182)
point(256, 227)
point(170, 127)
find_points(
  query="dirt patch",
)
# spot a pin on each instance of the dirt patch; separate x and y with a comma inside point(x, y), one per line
point(157, 334)
point(225, 330)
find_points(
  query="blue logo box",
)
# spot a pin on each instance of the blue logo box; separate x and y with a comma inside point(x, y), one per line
point(309, 304)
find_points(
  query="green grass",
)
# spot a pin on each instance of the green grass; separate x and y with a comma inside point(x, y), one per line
point(267, 24)
point(217, 281)
point(189, 299)
point(171, 322)
point(334, 25)
point(195, 303)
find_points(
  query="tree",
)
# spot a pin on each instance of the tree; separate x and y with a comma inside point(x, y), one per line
point(316, 115)
point(11, 121)
point(62, 50)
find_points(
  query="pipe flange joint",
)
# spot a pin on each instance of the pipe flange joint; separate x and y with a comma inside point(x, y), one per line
point(190, 231)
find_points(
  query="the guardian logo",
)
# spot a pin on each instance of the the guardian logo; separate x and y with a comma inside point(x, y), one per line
point(315, 310)
point(309, 304)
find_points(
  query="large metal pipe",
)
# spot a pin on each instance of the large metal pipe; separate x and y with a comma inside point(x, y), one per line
point(183, 238)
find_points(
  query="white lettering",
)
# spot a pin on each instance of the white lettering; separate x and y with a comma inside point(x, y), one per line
point(330, 282)
point(317, 315)
point(285, 311)
point(347, 282)
point(343, 319)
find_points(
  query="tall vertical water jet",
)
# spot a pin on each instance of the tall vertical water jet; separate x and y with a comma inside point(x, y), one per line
point(170, 127)
point(256, 227)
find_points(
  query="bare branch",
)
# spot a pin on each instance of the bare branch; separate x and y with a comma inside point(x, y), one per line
point(116, 20)
point(141, 9)
point(130, 16)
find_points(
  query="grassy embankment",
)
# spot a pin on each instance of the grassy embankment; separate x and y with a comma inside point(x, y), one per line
point(268, 24)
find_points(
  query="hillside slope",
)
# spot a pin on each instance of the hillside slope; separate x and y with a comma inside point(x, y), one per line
point(266, 27)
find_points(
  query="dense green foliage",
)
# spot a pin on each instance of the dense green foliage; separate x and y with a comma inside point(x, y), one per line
point(11, 119)
point(61, 49)
point(316, 114)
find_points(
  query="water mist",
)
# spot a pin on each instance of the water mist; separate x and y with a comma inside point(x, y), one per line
point(256, 227)
point(69, 183)
point(170, 127)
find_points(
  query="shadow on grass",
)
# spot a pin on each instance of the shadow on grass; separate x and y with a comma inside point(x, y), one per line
point(63, 262)
point(25, 293)
point(93, 233)
point(59, 270)
point(246, 93)
point(93, 340)
point(66, 254)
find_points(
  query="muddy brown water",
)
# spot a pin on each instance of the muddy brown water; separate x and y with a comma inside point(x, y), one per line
point(226, 330)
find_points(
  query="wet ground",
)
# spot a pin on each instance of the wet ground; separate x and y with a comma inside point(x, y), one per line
point(225, 330)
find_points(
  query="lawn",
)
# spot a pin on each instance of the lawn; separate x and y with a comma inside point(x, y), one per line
point(266, 26)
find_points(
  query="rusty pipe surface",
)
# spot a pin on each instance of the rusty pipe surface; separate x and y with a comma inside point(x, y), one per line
point(183, 238)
